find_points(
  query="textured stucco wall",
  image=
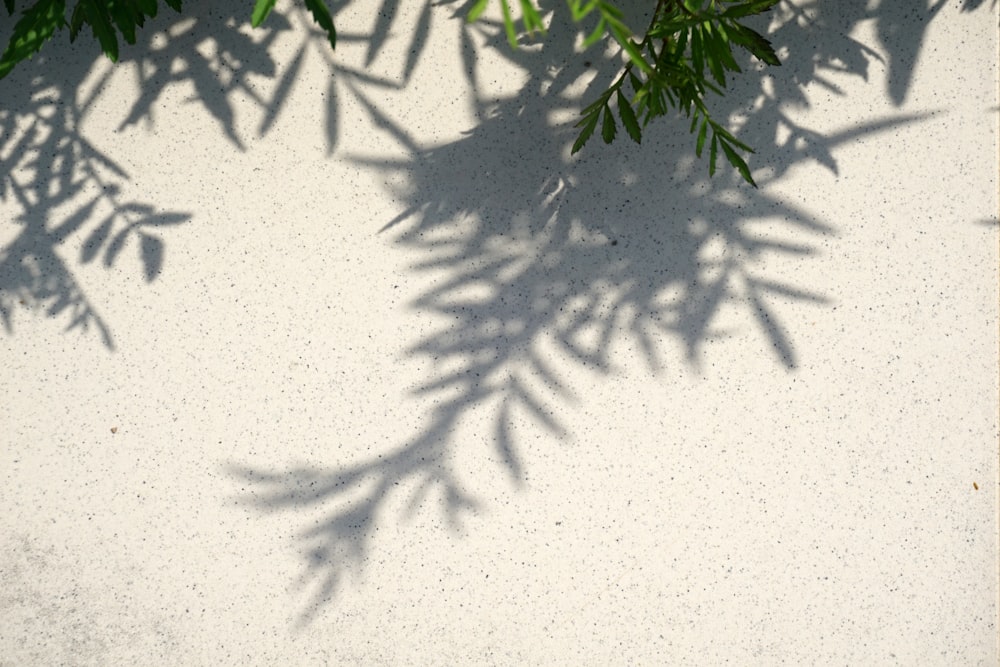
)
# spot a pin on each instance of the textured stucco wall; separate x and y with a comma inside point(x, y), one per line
point(345, 360)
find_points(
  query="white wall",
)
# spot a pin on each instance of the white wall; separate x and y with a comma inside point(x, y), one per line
point(598, 409)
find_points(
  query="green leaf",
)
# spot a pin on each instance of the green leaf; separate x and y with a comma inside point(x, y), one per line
point(750, 8)
point(589, 124)
point(174, 4)
point(635, 81)
point(580, 11)
point(702, 133)
point(608, 128)
point(596, 34)
point(729, 138)
point(738, 162)
point(697, 53)
point(508, 25)
point(123, 15)
point(531, 19)
point(629, 120)
point(712, 53)
point(712, 152)
point(630, 48)
point(261, 10)
point(147, 7)
point(9, 4)
point(76, 22)
point(477, 10)
point(725, 50)
point(754, 43)
point(100, 24)
point(33, 29)
point(322, 18)
point(595, 105)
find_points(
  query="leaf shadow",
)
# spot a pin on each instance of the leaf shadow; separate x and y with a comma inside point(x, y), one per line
point(63, 185)
point(543, 262)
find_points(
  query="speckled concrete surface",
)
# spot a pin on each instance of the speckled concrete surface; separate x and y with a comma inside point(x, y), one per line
point(380, 375)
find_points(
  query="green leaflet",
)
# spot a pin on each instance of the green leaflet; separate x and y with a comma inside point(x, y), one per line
point(261, 10)
point(608, 128)
point(321, 16)
point(738, 162)
point(126, 17)
point(629, 120)
point(33, 29)
point(147, 7)
point(754, 43)
point(702, 133)
point(96, 15)
point(589, 125)
point(712, 152)
point(749, 8)
point(477, 9)
point(508, 24)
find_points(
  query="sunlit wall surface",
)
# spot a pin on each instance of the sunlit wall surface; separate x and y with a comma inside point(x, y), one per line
point(317, 357)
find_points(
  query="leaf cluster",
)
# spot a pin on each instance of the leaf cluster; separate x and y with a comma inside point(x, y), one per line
point(685, 53)
point(109, 19)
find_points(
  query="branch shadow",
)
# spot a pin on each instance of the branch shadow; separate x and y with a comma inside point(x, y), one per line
point(545, 261)
point(549, 260)
point(67, 187)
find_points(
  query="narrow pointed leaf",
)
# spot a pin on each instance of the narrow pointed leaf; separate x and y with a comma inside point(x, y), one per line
point(261, 10)
point(100, 25)
point(749, 8)
point(629, 120)
point(508, 25)
point(322, 18)
point(32, 30)
point(738, 162)
point(125, 20)
point(702, 133)
point(76, 22)
point(608, 128)
point(712, 152)
point(589, 125)
point(753, 42)
point(595, 35)
point(477, 10)
point(147, 7)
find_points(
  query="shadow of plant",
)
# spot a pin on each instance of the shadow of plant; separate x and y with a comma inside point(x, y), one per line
point(48, 167)
point(66, 186)
point(545, 260)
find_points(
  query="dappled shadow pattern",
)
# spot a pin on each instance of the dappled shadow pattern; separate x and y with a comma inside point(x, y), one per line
point(64, 185)
point(543, 260)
